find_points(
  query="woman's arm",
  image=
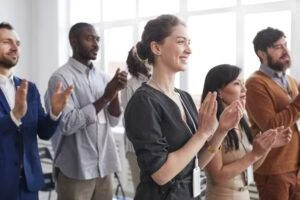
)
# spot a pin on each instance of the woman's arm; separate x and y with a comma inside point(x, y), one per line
point(260, 161)
point(208, 124)
point(229, 118)
point(222, 173)
point(178, 160)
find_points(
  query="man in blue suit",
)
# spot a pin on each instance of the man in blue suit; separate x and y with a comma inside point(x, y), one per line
point(22, 118)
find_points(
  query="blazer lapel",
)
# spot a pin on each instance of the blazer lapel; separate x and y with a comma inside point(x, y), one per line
point(4, 102)
point(17, 82)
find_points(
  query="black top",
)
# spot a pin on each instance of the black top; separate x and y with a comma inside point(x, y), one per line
point(154, 125)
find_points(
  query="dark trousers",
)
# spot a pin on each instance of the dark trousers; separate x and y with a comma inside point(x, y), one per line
point(24, 193)
point(279, 186)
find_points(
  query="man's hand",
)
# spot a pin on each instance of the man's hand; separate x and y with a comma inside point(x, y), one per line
point(117, 83)
point(59, 98)
point(20, 107)
point(283, 137)
point(263, 142)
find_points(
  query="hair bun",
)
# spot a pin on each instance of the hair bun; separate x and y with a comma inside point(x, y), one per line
point(142, 50)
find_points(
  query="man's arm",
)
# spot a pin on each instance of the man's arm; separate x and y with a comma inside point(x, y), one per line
point(73, 118)
point(111, 95)
point(261, 109)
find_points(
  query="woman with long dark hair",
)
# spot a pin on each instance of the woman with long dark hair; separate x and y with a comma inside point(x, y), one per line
point(228, 172)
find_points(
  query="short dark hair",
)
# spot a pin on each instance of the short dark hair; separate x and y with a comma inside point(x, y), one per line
point(266, 38)
point(217, 78)
point(77, 28)
point(6, 25)
point(156, 30)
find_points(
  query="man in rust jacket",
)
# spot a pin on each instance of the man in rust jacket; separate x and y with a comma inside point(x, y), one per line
point(272, 101)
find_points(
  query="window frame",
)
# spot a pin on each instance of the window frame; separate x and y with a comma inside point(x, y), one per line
point(240, 9)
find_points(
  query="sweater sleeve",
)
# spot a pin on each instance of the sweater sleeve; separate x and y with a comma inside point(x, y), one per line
point(261, 108)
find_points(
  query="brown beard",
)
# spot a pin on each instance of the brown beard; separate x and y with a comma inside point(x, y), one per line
point(277, 66)
point(7, 63)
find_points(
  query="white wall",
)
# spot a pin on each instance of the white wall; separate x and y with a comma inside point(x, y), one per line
point(38, 26)
point(36, 22)
point(18, 13)
point(296, 42)
point(44, 41)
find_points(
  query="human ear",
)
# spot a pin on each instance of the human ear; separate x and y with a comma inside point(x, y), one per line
point(261, 54)
point(73, 42)
point(155, 48)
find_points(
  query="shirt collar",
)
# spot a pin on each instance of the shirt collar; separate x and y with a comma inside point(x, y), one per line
point(4, 80)
point(271, 72)
point(79, 66)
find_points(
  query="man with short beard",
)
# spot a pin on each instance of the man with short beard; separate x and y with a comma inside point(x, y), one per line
point(22, 119)
point(272, 101)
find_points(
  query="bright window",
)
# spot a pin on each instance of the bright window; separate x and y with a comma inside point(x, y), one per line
point(280, 20)
point(258, 1)
point(213, 42)
point(85, 11)
point(117, 43)
point(157, 7)
point(118, 9)
point(221, 31)
point(204, 5)
point(141, 26)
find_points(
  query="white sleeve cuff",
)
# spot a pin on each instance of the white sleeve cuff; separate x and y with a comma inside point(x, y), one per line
point(14, 119)
point(114, 121)
point(53, 117)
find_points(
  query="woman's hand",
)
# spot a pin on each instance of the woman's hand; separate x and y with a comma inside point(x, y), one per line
point(231, 116)
point(207, 116)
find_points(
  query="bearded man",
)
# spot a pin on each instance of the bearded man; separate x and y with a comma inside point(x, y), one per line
point(22, 119)
point(273, 100)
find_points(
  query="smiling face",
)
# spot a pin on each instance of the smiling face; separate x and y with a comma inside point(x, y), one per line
point(9, 48)
point(235, 90)
point(277, 56)
point(174, 50)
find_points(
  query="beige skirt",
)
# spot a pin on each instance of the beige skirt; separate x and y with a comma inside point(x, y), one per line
point(216, 192)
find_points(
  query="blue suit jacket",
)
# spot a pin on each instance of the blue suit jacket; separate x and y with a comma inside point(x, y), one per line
point(19, 144)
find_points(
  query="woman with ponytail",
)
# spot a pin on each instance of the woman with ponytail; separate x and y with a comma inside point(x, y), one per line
point(140, 73)
point(171, 138)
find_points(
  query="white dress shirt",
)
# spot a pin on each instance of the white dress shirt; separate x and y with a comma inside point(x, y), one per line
point(7, 85)
point(8, 88)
